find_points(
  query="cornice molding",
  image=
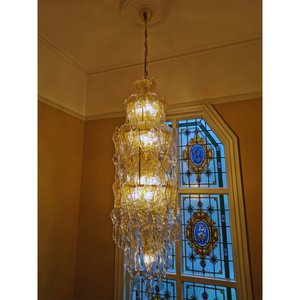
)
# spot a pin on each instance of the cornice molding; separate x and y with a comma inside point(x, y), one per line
point(187, 106)
point(172, 108)
point(45, 40)
point(206, 48)
point(60, 107)
point(117, 114)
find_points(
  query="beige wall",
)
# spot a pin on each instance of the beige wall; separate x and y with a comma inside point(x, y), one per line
point(95, 247)
point(60, 145)
point(245, 120)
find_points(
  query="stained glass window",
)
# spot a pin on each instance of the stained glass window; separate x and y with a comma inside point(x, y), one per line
point(199, 291)
point(167, 290)
point(206, 240)
point(201, 155)
point(205, 252)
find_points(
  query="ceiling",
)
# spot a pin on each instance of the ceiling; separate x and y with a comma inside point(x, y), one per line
point(97, 36)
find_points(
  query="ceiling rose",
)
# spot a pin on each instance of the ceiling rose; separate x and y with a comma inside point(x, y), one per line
point(130, 9)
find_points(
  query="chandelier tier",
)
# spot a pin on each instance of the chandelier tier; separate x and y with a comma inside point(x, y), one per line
point(146, 214)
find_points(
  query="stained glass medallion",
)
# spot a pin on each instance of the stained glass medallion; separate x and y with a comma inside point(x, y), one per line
point(206, 240)
point(201, 234)
point(199, 291)
point(201, 155)
point(197, 155)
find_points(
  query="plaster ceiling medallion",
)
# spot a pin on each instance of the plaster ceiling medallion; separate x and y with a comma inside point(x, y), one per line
point(130, 9)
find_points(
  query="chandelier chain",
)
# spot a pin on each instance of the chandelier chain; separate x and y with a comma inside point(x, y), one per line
point(146, 51)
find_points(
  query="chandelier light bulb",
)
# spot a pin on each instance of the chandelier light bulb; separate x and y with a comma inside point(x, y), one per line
point(148, 260)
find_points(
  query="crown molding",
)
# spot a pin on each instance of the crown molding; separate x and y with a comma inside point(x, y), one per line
point(117, 114)
point(45, 40)
point(187, 106)
point(60, 107)
point(206, 48)
point(172, 108)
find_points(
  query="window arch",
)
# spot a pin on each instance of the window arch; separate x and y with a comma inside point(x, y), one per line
point(211, 260)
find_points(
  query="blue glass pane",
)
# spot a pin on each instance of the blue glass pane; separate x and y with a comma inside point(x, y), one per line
point(169, 123)
point(167, 291)
point(201, 155)
point(199, 291)
point(172, 265)
point(206, 236)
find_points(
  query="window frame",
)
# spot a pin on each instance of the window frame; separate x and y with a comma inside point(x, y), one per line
point(242, 280)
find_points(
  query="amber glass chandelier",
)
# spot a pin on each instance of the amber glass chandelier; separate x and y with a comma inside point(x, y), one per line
point(146, 214)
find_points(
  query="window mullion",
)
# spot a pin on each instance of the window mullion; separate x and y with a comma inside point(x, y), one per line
point(204, 191)
point(211, 281)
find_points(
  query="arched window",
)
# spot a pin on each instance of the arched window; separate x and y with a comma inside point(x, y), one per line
point(211, 259)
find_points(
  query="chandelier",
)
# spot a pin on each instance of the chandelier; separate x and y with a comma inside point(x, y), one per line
point(146, 215)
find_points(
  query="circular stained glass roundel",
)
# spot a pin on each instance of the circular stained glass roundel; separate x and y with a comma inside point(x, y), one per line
point(197, 155)
point(201, 233)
